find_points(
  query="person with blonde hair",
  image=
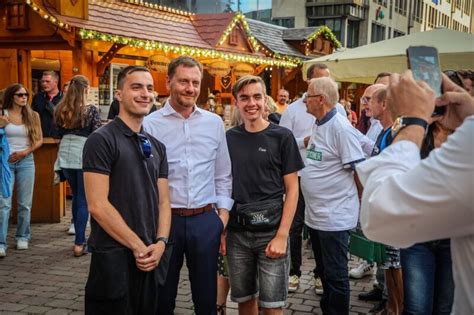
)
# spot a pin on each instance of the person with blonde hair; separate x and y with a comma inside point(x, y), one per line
point(76, 120)
point(22, 128)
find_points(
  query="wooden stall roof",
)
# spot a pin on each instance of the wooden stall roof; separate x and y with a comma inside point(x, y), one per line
point(212, 26)
point(299, 33)
point(129, 20)
point(272, 37)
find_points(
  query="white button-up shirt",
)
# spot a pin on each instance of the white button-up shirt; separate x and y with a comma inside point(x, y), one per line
point(198, 158)
point(407, 201)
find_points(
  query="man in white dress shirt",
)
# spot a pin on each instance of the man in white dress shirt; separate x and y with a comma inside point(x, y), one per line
point(200, 185)
point(406, 200)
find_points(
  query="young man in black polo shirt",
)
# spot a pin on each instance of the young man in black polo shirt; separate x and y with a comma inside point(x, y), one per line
point(265, 160)
point(125, 176)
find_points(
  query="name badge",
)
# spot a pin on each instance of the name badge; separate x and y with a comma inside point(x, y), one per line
point(314, 155)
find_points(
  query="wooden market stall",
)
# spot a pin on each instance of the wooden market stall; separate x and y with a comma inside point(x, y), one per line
point(97, 38)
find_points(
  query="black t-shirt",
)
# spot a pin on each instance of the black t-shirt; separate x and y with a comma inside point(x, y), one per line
point(45, 109)
point(259, 162)
point(114, 150)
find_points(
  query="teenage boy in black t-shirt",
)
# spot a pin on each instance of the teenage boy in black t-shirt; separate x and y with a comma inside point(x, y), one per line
point(265, 160)
point(125, 177)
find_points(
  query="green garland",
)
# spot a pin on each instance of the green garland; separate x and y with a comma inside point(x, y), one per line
point(327, 34)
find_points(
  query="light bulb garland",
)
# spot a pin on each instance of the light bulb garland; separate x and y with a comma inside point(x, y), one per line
point(45, 15)
point(325, 32)
point(187, 50)
point(158, 7)
point(240, 18)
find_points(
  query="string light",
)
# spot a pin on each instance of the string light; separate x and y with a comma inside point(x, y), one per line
point(48, 17)
point(158, 7)
point(186, 50)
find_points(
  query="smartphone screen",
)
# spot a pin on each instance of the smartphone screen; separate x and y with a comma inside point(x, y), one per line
point(424, 64)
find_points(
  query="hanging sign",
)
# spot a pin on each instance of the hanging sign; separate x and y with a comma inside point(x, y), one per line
point(219, 68)
point(242, 68)
point(158, 63)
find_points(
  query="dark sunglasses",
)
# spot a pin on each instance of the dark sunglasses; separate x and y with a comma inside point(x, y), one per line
point(145, 146)
point(455, 77)
point(22, 94)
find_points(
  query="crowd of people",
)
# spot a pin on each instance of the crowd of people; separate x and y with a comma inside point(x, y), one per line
point(172, 185)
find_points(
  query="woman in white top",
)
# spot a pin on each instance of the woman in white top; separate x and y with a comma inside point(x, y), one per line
point(22, 128)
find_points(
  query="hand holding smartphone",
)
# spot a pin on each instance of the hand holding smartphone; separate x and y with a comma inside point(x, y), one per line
point(424, 64)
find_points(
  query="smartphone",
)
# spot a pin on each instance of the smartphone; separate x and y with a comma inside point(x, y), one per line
point(424, 64)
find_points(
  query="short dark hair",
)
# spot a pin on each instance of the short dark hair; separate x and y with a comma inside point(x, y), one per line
point(309, 71)
point(382, 75)
point(184, 61)
point(126, 71)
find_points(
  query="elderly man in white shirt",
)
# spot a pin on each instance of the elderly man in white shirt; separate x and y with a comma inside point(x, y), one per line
point(329, 189)
point(300, 122)
point(200, 185)
point(406, 200)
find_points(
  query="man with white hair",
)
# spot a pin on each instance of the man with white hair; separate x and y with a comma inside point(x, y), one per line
point(330, 193)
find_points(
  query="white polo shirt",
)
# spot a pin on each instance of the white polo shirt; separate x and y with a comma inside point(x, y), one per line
point(327, 181)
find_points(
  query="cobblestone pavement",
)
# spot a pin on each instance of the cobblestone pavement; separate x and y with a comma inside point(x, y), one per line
point(47, 279)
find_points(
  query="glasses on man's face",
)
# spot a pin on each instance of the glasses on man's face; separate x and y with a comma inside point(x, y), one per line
point(145, 146)
point(455, 77)
point(22, 94)
point(313, 95)
point(365, 99)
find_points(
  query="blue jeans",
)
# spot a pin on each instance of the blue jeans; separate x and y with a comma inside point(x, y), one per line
point(23, 172)
point(330, 251)
point(80, 212)
point(428, 278)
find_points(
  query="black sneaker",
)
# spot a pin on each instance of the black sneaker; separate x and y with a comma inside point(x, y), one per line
point(373, 295)
point(379, 307)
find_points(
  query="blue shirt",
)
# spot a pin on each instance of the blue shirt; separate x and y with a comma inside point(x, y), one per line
point(198, 158)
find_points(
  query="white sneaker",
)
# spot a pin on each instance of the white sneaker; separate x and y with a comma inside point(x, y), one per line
point(21, 244)
point(72, 230)
point(3, 252)
point(318, 286)
point(293, 283)
point(364, 269)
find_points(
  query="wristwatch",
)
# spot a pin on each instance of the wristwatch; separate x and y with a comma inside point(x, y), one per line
point(162, 239)
point(402, 121)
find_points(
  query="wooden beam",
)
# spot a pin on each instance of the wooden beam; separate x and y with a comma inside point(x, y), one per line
point(260, 69)
point(276, 81)
point(290, 76)
point(107, 58)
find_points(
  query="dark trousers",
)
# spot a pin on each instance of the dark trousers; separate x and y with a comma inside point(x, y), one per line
point(197, 238)
point(428, 278)
point(330, 251)
point(116, 286)
point(296, 236)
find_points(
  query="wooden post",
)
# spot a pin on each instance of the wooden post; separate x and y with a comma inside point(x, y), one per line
point(24, 68)
point(276, 81)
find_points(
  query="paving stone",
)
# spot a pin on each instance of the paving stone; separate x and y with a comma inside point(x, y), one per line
point(12, 307)
point(36, 309)
point(58, 311)
point(60, 303)
point(300, 307)
point(35, 300)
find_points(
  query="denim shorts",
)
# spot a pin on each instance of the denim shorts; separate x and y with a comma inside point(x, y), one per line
point(252, 274)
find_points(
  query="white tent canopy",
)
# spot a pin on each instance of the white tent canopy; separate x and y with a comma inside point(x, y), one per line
point(362, 64)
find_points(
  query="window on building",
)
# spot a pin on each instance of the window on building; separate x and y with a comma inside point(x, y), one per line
point(378, 32)
point(334, 24)
point(397, 33)
point(389, 34)
point(285, 22)
point(353, 33)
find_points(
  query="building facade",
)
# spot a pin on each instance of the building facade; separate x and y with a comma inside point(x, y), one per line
point(360, 22)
